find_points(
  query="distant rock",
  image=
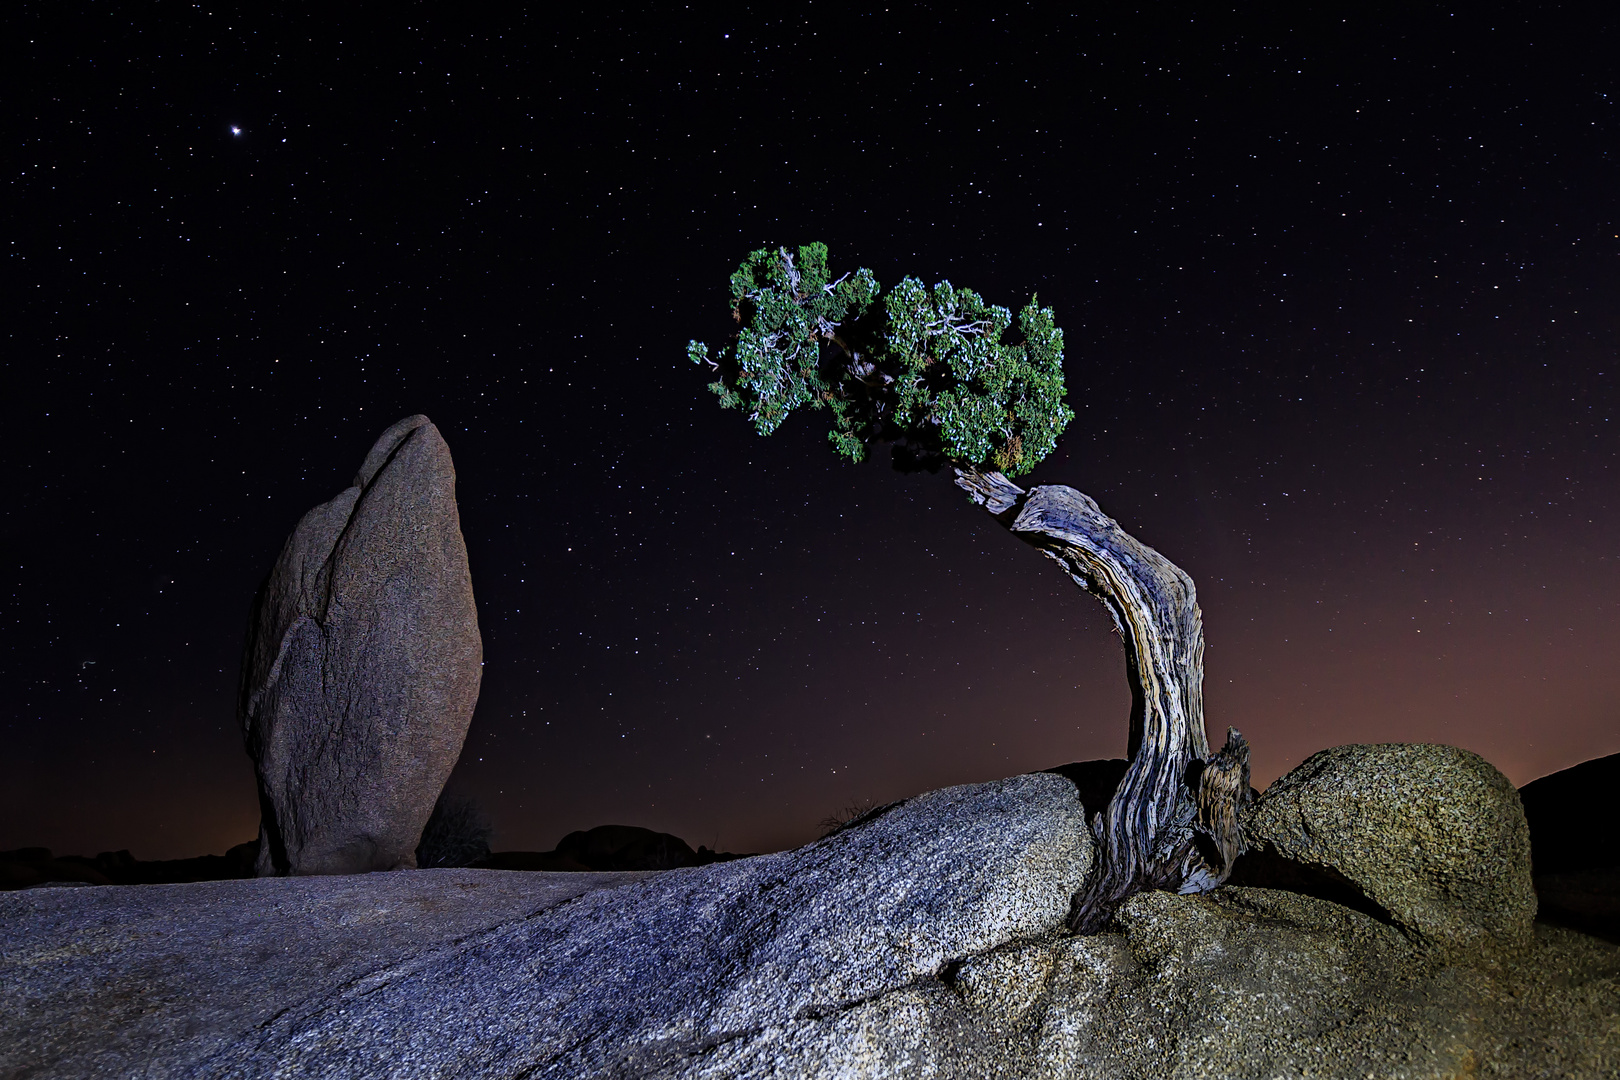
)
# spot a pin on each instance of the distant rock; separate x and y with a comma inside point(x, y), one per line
point(122, 868)
point(30, 867)
point(1430, 838)
point(362, 665)
point(608, 848)
point(24, 868)
point(1587, 900)
point(626, 847)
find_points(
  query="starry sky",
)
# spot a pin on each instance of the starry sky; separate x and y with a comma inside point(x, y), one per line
point(1339, 292)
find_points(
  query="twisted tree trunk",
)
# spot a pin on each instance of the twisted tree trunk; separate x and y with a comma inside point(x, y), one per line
point(1173, 822)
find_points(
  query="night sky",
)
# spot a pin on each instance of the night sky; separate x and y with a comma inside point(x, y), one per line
point(1340, 300)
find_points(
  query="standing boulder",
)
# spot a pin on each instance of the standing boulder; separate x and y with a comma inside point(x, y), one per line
point(1427, 837)
point(362, 665)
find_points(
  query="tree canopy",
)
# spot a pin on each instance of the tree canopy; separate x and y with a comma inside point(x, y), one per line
point(938, 372)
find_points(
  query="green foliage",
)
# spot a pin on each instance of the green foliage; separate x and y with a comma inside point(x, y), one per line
point(938, 371)
point(787, 307)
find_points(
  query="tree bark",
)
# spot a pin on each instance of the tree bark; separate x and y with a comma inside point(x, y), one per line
point(1173, 823)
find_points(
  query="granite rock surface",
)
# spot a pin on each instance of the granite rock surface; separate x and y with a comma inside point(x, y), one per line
point(922, 941)
point(154, 979)
point(771, 957)
point(362, 665)
point(697, 968)
point(1264, 983)
point(1432, 836)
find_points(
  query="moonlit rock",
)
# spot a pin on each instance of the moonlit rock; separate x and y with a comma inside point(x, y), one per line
point(766, 966)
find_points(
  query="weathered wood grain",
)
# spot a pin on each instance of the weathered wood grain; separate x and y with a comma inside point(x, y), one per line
point(1173, 822)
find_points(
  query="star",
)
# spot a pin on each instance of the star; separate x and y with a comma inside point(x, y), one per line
point(235, 130)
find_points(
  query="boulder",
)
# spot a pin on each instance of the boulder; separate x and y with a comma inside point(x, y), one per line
point(362, 665)
point(626, 847)
point(775, 965)
point(1429, 838)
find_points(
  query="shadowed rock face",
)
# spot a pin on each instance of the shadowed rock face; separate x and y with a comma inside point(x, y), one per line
point(1570, 814)
point(1574, 846)
point(362, 665)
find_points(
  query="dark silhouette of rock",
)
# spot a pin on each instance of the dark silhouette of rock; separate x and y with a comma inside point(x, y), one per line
point(124, 869)
point(457, 834)
point(1586, 900)
point(1427, 837)
point(609, 848)
point(362, 665)
point(1574, 846)
point(28, 867)
point(1570, 814)
point(1096, 780)
point(626, 847)
point(24, 868)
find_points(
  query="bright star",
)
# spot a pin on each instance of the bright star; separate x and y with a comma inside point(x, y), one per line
point(235, 130)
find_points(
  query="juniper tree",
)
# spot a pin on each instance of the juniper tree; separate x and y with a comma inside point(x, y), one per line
point(951, 380)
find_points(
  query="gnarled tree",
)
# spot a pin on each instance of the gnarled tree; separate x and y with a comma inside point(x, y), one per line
point(950, 380)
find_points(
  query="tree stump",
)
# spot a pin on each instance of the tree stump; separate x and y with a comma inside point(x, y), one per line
point(1173, 823)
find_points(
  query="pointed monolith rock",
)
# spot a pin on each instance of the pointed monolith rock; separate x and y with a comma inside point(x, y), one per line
point(362, 665)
